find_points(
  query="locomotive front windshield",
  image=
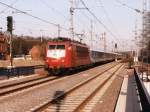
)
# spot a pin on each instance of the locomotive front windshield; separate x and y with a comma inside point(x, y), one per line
point(56, 47)
point(56, 51)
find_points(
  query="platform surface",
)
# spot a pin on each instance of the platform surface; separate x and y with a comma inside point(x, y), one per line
point(128, 100)
point(21, 62)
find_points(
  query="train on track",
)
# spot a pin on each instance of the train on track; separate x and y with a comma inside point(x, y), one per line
point(63, 54)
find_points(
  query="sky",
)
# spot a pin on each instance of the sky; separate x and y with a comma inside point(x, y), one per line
point(115, 19)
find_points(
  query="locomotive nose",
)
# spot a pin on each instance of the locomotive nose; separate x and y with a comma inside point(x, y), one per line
point(56, 63)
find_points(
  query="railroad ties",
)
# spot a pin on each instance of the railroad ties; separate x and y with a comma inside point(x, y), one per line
point(99, 89)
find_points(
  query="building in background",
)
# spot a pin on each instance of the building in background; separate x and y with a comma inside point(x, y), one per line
point(3, 46)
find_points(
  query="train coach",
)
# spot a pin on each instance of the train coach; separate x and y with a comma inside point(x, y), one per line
point(64, 54)
point(100, 56)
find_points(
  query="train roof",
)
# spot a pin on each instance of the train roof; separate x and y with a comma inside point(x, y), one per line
point(106, 52)
point(59, 39)
point(65, 39)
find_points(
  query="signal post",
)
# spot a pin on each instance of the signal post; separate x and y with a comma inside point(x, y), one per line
point(10, 29)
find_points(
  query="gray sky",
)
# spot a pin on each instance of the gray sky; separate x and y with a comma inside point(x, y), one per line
point(118, 19)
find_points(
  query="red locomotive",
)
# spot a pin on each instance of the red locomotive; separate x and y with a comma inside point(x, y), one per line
point(63, 54)
point(66, 54)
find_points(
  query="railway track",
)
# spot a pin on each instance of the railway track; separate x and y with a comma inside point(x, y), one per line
point(7, 83)
point(11, 88)
point(77, 98)
point(28, 83)
point(33, 95)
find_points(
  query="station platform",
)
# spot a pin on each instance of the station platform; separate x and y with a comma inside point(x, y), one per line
point(21, 63)
point(124, 97)
point(129, 100)
point(20, 67)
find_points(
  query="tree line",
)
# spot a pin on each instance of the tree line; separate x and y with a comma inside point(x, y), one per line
point(23, 44)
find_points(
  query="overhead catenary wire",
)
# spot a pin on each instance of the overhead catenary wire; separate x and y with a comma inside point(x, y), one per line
point(133, 9)
point(107, 16)
point(10, 5)
point(56, 11)
point(38, 18)
point(54, 24)
point(80, 21)
point(99, 21)
point(53, 9)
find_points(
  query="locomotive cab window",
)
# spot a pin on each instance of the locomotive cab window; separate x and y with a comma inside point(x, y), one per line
point(56, 51)
point(51, 47)
point(60, 46)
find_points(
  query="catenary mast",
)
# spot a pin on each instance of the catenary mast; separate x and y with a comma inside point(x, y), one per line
point(71, 19)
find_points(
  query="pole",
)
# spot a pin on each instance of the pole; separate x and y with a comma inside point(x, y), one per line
point(10, 29)
point(112, 42)
point(71, 19)
point(136, 41)
point(11, 57)
point(91, 33)
point(41, 35)
point(105, 46)
point(143, 34)
point(58, 30)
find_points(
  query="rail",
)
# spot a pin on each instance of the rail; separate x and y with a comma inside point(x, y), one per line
point(61, 94)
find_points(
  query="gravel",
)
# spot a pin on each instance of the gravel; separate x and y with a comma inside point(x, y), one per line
point(111, 95)
point(24, 100)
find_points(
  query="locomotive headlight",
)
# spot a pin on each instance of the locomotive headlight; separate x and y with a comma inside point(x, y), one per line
point(62, 60)
point(69, 48)
point(47, 60)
